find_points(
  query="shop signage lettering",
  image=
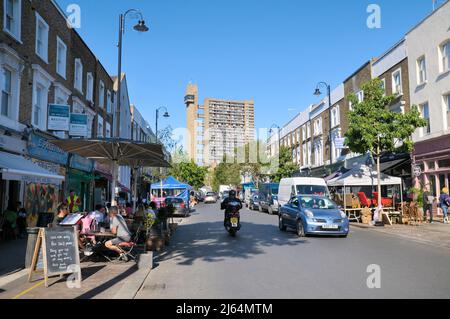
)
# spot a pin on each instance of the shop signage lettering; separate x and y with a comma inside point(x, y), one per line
point(41, 148)
point(58, 117)
point(78, 125)
point(81, 163)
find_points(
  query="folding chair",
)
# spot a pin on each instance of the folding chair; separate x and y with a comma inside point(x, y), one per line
point(127, 248)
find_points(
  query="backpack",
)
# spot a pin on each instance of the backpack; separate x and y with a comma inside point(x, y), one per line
point(447, 200)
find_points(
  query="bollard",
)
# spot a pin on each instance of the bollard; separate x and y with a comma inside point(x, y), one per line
point(31, 243)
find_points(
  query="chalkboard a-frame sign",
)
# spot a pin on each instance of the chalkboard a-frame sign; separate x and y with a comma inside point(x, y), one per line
point(58, 248)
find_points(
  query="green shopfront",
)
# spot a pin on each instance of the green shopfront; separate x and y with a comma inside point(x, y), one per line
point(81, 179)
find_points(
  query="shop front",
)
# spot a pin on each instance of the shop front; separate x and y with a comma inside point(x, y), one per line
point(39, 196)
point(431, 164)
point(102, 187)
point(11, 191)
point(41, 186)
point(80, 178)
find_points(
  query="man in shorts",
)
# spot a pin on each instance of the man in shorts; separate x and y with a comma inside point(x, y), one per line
point(119, 228)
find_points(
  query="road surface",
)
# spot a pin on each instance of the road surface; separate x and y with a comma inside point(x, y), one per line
point(262, 262)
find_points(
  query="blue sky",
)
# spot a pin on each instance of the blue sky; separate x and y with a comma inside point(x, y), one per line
point(272, 51)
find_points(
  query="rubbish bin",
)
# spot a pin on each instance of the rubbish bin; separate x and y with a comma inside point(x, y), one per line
point(31, 244)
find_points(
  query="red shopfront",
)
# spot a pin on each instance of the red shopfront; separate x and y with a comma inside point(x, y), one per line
point(433, 157)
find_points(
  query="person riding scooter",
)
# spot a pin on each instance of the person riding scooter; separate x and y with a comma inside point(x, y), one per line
point(225, 204)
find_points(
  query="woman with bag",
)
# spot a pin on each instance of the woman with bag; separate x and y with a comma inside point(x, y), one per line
point(444, 201)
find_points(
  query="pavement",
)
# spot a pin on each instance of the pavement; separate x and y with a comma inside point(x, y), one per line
point(262, 262)
point(436, 234)
point(100, 280)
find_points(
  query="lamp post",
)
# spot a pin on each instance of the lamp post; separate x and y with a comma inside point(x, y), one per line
point(141, 27)
point(166, 115)
point(318, 93)
point(279, 134)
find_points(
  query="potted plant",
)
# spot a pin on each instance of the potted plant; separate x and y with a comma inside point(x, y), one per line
point(418, 198)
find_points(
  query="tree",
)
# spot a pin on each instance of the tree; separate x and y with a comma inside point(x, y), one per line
point(187, 171)
point(226, 174)
point(255, 161)
point(374, 128)
point(286, 166)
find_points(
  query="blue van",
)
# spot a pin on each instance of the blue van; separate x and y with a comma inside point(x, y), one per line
point(268, 198)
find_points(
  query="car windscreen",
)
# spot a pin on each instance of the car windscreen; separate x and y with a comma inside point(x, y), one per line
point(312, 190)
point(275, 190)
point(211, 194)
point(317, 203)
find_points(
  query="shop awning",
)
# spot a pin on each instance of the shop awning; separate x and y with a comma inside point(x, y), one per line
point(17, 168)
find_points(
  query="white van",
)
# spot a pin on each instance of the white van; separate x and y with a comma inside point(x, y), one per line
point(290, 187)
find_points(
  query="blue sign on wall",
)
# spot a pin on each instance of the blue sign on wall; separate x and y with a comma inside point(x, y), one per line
point(80, 163)
point(40, 148)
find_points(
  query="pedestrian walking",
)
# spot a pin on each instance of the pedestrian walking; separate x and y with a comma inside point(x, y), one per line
point(427, 204)
point(444, 202)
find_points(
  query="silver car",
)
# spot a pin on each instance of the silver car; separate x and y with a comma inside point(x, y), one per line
point(210, 198)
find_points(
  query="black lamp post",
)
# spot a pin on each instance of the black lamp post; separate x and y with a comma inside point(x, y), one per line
point(279, 134)
point(166, 115)
point(140, 27)
point(318, 93)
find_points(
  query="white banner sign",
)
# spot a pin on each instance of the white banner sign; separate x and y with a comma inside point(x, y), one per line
point(78, 125)
point(58, 117)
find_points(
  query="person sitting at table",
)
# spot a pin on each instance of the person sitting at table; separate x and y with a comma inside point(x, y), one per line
point(62, 212)
point(119, 228)
point(98, 214)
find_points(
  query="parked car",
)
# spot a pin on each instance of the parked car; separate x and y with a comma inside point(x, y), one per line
point(181, 209)
point(268, 198)
point(210, 197)
point(248, 194)
point(316, 215)
point(290, 187)
point(254, 202)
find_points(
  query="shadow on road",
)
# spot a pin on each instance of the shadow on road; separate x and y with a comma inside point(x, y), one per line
point(208, 241)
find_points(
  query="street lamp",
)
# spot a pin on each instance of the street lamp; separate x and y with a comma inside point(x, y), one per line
point(140, 27)
point(279, 134)
point(319, 93)
point(166, 115)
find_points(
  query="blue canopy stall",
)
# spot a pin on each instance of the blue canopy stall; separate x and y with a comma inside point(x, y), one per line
point(170, 186)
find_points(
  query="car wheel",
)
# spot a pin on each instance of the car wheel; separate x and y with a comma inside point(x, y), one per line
point(281, 224)
point(300, 229)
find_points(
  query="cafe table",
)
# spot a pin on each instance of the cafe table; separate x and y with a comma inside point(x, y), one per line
point(101, 238)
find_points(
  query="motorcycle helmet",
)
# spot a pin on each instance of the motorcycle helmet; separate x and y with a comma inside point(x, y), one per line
point(232, 194)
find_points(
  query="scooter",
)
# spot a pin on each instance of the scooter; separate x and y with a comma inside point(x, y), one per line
point(233, 220)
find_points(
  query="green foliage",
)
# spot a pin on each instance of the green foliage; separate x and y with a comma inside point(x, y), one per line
point(286, 165)
point(252, 159)
point(226, 174)
point(373, 127)
point(418, 195)
point(187, 171)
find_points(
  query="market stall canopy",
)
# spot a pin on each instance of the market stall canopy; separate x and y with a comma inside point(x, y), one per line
point(17, 168)
point(363, 176)
point(170, 183)
point(123, 152)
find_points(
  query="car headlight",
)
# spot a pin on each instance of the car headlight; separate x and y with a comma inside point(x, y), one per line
point(309, 214)
point(343, 214)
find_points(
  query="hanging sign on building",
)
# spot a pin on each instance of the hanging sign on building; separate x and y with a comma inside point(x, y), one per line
point(78, 125)
point(58, 117)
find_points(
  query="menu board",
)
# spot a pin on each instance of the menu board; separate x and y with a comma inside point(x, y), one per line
point(56, 253)
point(61, 249)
